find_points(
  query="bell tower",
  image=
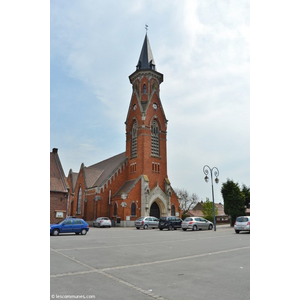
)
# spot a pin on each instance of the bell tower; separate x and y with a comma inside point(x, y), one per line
point(146, 123)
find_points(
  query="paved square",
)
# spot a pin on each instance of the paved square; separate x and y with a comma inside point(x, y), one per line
point(126, 263)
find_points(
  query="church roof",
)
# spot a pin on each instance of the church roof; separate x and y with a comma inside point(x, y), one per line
point(126, 187)
point(146, 60)
point(97, 174)
point(73, 176)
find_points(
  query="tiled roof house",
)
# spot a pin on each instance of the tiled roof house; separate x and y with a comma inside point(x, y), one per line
point(59, 189)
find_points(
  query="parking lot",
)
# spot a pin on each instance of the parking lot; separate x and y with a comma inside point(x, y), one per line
point(126, 263)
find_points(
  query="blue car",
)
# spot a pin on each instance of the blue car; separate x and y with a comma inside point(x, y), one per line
point(70, 225)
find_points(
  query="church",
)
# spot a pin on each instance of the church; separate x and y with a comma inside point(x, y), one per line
point(133, 183)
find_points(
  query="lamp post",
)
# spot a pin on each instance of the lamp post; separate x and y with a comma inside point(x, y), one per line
point(124, 204)
point(207, 170)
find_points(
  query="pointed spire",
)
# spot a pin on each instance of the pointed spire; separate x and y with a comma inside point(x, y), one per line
point(146, 60)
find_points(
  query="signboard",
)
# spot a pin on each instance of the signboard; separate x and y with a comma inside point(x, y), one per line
point(59, 214)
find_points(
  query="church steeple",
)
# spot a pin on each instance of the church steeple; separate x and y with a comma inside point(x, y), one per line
point(146, 60)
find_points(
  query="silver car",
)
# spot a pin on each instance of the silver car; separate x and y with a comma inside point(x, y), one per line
point(146, 222)
point(242, 224)
point(102, 222)
point(196, 223)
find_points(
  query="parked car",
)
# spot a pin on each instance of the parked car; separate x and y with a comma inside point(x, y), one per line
point(196, 223)
point(146, 222)
point(69, 225)
point(169, 222)
point(242, 224)
point(102, 222)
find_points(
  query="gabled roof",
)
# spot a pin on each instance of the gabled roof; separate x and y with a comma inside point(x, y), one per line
point(197, 210)
point(99, 173)
point(195, 213)
point(126, 187)
point(58, 182)
point(146, 60)
point(73, 176)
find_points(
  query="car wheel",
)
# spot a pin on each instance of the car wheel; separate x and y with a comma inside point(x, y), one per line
point(184, 229)
point(170, 227)
point(83, 231)
point(76, 233)
point(237, 231)
point(160, 228)
point(195, 228)
point(137, 227)
point(56, 232)
point(98, 225)
point(146, 226)
point(210, 227)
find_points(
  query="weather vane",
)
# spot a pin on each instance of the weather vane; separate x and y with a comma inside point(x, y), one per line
point(146, 27)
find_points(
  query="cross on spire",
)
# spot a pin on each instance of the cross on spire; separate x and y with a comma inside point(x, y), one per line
point(146, 27)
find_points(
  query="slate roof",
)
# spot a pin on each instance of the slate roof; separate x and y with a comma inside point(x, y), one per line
point(58, 182)
point(146, 60)
point(99, 173)
point(126, 187)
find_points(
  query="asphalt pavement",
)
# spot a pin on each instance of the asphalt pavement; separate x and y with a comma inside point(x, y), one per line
point(126, 263)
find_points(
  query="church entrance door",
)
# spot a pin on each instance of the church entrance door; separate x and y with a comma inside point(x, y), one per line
point(154, 210)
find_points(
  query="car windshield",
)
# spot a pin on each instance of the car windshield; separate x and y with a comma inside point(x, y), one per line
point(140, 219)
point(60, 222)
point(242, 219)
point(188, 219)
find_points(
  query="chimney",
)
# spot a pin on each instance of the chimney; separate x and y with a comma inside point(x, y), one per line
point(54, 150)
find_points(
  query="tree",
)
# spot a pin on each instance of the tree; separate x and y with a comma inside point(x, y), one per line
point(186, 200)
point(246, 192)
point(208, 210)
point(234, 200)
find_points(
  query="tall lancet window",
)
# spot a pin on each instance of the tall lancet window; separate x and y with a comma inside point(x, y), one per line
point(79, 198)
point(154, 138)
point(134, 140)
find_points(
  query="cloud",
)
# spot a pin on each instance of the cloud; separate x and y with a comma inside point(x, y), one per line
point(201, 47)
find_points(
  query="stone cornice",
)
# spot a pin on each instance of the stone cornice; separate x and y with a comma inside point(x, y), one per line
point(146, 73)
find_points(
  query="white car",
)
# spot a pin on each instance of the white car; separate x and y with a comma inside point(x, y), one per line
point(242, 224)
point(196, 223)
point(146, 222)
point(102, 222)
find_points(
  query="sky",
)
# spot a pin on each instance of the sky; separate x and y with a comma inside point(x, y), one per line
point(203, 50)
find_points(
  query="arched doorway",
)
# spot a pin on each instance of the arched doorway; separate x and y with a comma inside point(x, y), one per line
point(154, 210)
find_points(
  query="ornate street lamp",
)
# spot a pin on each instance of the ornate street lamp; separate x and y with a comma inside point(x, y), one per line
point(207, 170)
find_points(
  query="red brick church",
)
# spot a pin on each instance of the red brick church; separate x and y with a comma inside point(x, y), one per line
point(133, 183)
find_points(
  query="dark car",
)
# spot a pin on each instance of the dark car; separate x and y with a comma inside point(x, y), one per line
point(69, 225)
point(169, 222)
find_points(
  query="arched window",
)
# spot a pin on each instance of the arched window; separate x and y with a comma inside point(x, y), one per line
point(173, 210)
point(79, 197)
point(115, 209)
point(144, 89)
point(133, 209)
point(134, 140)
point(154, 138)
